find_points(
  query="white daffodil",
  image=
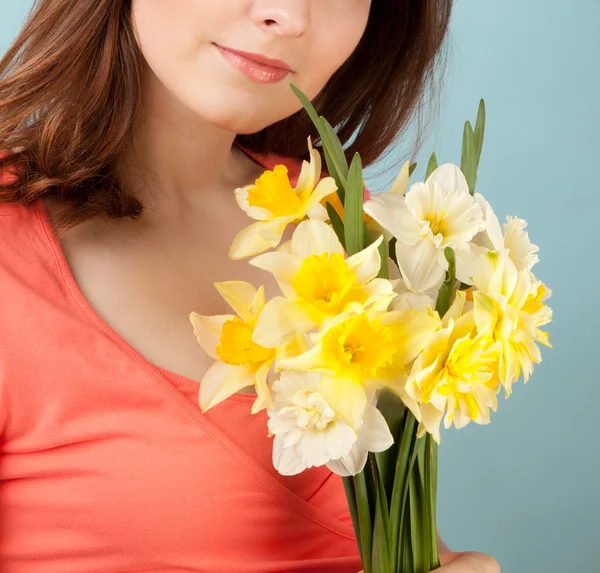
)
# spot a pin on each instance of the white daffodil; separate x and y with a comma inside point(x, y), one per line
point(510, 303)
point(239, 362)
point(431, 216)
point(309, 432)
point(511, 237)
point(273, 202)
point(317, 282)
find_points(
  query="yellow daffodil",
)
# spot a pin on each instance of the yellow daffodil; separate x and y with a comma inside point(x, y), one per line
point(511, 304)
point(456, 374)
point(365, 348)
point(275, 204)
point(431, 216)
point(239, 362)
point(309, 432)
point(317, 282)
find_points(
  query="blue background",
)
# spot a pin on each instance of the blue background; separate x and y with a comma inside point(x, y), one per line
point(524, 489)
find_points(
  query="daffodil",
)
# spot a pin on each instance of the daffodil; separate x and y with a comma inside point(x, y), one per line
point(455, 374)
point(431, 216)
point(239, 362)
point(510, 302)
point(362, 349)
point(309, 432)
point(273, 202)
point(317, 282)
point(510, 237)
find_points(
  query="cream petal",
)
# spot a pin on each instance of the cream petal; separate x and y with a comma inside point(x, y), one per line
point(280, 321)
point(401, 183)
point(391, 212)
point(264, 396)
point(521, 250)
point(366, 264)
point(208, 331)
point(283, 266)
point(285, 460)
point(431, 420)
point(324, 188)
point(222, 381)
point(314, 237)
point(419, 266)
point(248, 242)
point(258, 213)
point(350, 464)
point(346, 396)
point(317, 211)
point(239, 295)
point(310, 172)
point(449, 177)
point(374, 435)
point(491, 238)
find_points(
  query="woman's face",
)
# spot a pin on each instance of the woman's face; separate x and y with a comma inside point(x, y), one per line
point(180, 41)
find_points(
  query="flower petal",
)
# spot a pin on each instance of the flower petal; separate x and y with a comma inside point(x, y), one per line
point(309, 173)
point(346, 396)
point(401, 183)
point(366, 264)
point(391, 212)
point(449, 177)
point(264, 396)
point(221, 381)
point(280, 321)
point(258, 237)
point(419, 265)
point(208, 331)
point(314, 237)
point(284, 267)
point(324, 188)
point(258, 213)
point(239, 295)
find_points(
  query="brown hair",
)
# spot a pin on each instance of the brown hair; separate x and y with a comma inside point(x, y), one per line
point(70, 99)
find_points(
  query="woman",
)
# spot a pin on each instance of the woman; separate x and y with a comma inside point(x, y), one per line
point(126, 125)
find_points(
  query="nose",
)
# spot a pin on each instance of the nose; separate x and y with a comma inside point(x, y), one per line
point(282, 17)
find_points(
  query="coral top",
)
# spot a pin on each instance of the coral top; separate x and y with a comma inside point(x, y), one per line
point(109, 465)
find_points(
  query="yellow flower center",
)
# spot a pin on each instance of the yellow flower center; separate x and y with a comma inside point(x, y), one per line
point(274, 193)
point(359, 347)
point(437, 223)
point(323, 283)
point(237, 348)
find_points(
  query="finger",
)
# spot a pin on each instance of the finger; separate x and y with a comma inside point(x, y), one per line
point(467, 562)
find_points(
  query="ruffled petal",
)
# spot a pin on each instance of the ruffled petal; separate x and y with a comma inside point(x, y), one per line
point(222, 381)
point(208, 331)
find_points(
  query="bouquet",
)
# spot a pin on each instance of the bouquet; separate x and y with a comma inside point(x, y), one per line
point(397, 310)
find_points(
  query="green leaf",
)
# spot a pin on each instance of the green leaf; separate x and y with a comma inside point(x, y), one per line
point(446, 292)
point(468, 164)
point(337, 169)
point(331, 170)
point(336, 223)
point(405, 437)
point(353, 208)
point(431, 166)
point(479, 130)
point(381, 527)
point(334, 146)
point(431, 473)
point(350, 490)
point(383, 253)
point(392, 250)
point(412, 167)
point(364, 519)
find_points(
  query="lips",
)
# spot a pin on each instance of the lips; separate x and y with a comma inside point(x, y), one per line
point(258, 71)
point(258, 58)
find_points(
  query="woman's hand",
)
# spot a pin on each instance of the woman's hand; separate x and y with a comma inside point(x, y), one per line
point(466, 562)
